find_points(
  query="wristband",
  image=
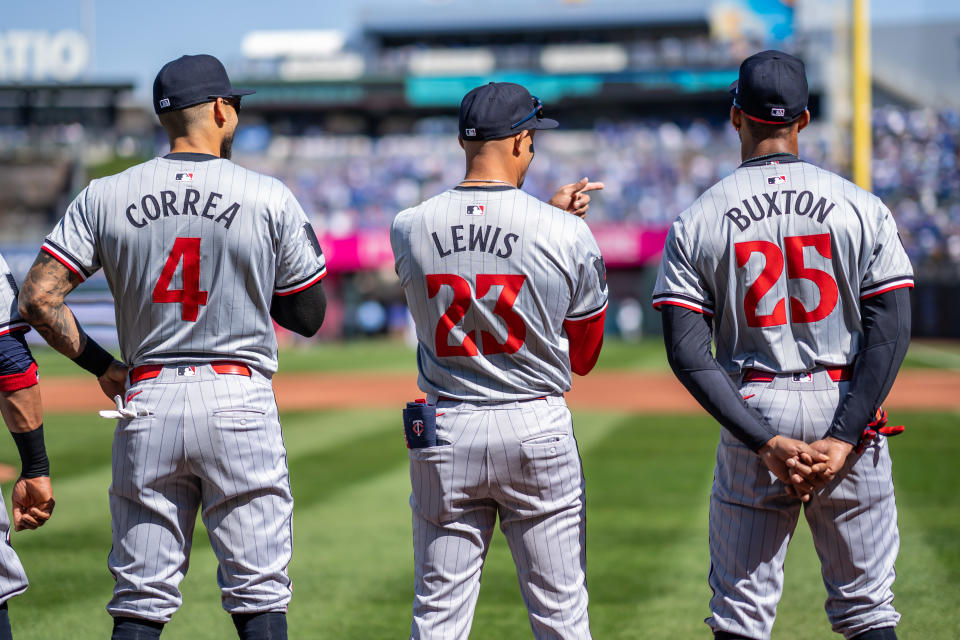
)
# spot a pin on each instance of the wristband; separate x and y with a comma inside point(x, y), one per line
point(33, 454)
point(94, 358)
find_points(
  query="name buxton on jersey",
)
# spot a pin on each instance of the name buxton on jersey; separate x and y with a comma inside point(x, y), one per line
point(477, 239)
point(151, 208)
point(803, 203)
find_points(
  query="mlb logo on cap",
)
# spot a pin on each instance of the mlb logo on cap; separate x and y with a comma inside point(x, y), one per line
point(470, 133)
point(164, 103)
point(474, 209)
point(778, 111)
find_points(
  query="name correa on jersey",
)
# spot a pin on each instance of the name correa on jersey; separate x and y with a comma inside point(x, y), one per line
point(801, 205)
point(151, 208)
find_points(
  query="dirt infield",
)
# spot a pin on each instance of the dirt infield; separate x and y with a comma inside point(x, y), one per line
point(916, 389)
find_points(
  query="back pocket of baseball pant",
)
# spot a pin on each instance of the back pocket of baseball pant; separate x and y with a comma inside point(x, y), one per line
point(547, 446)
point(239, 419)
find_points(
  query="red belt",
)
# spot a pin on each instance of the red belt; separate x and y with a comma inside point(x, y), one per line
point(837, 374)
point(447, 399)
point(224, 367)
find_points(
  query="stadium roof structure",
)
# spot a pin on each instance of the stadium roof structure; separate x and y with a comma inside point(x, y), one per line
point(533, 17)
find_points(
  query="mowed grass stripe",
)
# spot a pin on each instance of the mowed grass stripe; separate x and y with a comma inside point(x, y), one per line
point(648, 479)
point(647, 554)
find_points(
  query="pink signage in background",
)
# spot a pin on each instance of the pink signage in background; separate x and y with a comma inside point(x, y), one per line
point(622, 246)
point(625, 245)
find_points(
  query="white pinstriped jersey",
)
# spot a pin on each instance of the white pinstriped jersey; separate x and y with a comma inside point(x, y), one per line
point(780, 253)
point(10, 319)
point(490, 274)
point(193, 248)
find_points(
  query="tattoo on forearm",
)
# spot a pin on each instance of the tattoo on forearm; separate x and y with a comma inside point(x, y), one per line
point(42, 305)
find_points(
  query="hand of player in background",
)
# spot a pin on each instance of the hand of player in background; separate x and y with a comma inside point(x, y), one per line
point(791, 462)
point(32, 502)
point(573, 198)
point(836, 452)
point(114, 381)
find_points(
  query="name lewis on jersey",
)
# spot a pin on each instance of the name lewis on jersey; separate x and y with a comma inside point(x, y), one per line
point(477, 238)
point(151, 208)
point(781, 203)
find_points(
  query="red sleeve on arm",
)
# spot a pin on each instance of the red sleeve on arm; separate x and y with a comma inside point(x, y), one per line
point(586, 338)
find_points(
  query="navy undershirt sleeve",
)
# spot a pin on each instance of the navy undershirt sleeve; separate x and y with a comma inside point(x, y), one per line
point(687, 335)
point(301, 312)
point(886, 336)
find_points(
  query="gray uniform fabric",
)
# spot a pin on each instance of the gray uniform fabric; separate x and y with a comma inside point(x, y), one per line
point(253, 242)
point(10, 320)
point(13, 579)
point(193, 248)
point(553, 254)
point(769, 232)
point(824, 278)
point(511, 451)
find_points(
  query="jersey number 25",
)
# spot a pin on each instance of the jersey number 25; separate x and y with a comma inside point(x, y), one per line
point(463, 298)
point(796, 270)
point(190, 296)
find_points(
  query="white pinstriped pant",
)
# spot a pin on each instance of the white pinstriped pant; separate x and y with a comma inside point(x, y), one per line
point(13, 579)
point(853, 520)
point(212, 441)
point(518, 460)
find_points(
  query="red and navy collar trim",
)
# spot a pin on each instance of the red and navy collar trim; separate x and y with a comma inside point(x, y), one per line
point(770, 158)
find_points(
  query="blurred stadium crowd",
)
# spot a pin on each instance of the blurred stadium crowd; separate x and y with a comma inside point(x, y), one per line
point(652, 170)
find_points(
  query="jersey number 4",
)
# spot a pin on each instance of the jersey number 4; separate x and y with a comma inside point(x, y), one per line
point(463, 298)
point(796, 270)
point(190, 296)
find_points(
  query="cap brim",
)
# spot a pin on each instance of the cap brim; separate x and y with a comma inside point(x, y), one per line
point(544, 123)
point(733, 87)
point(235, 93)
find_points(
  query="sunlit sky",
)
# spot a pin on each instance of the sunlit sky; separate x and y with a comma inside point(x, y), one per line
point(132, 40)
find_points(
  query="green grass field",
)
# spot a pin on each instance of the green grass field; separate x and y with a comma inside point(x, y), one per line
point(648, 482)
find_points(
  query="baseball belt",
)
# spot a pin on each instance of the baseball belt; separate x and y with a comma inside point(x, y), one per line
point(223, 367)
point(837, 374)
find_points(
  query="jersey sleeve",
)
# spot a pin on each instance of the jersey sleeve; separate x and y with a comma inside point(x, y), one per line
point(589, 297)
point(300, 261)
point(10, 320)
point(887, 266)
point(678, 280)
point(400, 243)
point(72, 242)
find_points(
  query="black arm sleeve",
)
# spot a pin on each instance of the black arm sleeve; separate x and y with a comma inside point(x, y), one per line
point(886, 336)
point(300, 312)
point(687, 337)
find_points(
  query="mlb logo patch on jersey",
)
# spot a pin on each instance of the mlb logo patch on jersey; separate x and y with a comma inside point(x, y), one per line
point(776, 179)
point(184, 177)
point(474, 209)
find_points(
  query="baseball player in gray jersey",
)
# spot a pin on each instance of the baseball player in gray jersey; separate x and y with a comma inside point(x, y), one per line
point(802, 278)
point(20, 406)
point(199, 254)
point(508, 295)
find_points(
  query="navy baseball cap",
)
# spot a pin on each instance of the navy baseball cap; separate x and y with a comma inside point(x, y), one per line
point(772, 87)
point(500, 109)
point(191, 80)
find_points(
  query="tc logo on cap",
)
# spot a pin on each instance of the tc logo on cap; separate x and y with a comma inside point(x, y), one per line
point(470, 132)
point(778, 111)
